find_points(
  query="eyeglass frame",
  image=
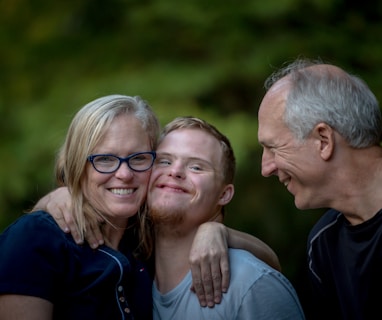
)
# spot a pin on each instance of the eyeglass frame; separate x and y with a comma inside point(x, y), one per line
point(91, 158)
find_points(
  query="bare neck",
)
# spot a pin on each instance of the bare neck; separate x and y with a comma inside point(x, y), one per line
point(171, 259)
point(359, 186)
point(112, 235)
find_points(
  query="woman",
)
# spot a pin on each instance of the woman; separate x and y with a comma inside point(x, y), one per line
point(105, 163)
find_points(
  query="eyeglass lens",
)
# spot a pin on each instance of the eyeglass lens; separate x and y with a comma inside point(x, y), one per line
point(110, 163)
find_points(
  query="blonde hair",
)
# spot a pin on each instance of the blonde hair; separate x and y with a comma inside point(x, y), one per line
point(85, 131)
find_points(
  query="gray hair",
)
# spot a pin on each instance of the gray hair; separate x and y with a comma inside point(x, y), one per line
point(341, 100)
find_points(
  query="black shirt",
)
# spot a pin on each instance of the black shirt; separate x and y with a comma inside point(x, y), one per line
point(345, 268)
point(38, 259)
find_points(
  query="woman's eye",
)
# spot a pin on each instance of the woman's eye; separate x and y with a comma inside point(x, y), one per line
point(105, 159)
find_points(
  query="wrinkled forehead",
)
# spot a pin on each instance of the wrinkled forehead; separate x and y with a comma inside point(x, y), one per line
point(273, 103)
point(271, 111)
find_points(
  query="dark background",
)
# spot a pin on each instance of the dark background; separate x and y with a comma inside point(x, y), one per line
point(191, 57)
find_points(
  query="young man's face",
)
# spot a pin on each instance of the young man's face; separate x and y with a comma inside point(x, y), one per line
point(186, 185)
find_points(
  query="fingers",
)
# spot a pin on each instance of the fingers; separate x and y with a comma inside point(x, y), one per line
point(208, 277)
point(66, 223)
point(60, 208)
point(197, 284)
point(72, 226)
point(209, 263)
point(93, 234)
point(216, 278)
point(58, 204)
point(225, 273)
point(212, 284)
point(59, 218)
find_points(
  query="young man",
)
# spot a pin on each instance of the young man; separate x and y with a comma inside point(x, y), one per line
point(191, 182)
point(320, 129)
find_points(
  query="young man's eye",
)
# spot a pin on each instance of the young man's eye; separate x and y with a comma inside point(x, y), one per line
point(163, 161)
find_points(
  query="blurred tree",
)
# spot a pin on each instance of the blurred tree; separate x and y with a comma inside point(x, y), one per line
point(206, 58)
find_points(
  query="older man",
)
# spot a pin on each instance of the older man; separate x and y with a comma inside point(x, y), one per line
point(320, 129)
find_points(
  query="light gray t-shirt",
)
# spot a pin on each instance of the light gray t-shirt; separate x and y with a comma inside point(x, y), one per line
point(256, 291)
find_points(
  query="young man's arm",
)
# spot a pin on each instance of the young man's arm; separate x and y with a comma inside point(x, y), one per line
point(58, 204)
point(18, 307)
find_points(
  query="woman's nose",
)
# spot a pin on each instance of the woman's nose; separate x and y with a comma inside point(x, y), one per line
point(124, 171)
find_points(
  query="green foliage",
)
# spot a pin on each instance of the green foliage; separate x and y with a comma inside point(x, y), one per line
point(202, 58)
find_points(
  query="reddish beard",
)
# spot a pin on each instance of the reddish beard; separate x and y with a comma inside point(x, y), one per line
point(169, 217)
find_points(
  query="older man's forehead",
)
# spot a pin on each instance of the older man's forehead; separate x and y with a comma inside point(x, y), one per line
point(323, 70)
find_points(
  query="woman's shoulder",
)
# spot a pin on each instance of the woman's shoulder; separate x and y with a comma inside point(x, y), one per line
point(33, 229)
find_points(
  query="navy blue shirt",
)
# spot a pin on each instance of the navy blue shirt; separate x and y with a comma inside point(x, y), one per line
point(38, 259)
point(345, 268)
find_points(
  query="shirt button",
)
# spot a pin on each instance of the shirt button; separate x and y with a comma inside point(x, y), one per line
point(127, 310)
point(120, 288)
point(122, 299)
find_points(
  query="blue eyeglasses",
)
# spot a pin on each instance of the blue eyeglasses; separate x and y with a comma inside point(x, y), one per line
point(109, 163)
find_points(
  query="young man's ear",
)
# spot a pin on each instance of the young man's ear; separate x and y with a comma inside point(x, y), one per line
point(227, 194)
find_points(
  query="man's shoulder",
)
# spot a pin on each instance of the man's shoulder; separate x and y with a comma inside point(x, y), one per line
point(241, 254)
point(250, 275)
point(330, 219)
point(244, 262)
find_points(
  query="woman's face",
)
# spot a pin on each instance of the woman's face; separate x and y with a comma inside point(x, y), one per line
point(118, 195)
